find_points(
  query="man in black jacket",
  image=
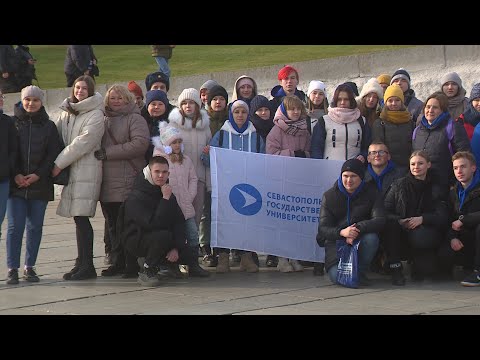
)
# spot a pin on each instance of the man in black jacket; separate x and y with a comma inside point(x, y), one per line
point(153, 226)
point(351, 209)
point(463, 240)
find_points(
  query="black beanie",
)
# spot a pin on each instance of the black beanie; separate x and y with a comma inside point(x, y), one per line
point(217, 90)
point(353, 86)
point(355, 166)
point(157, 77)
point(258, 102)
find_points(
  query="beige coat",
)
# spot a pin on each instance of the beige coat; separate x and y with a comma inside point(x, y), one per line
point(130, 130)
point(82, 135)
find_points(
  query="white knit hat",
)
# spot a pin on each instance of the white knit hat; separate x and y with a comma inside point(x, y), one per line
point(316, 85)
point(168, 133)
point(370, 86)
point(33, 91)
point(190, 94)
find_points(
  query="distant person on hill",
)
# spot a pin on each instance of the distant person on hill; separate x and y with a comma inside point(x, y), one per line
point(414, 105)
point(9, 65)
point(289, 79)
point(163, 53)
point(26, 69)
point(79, 60)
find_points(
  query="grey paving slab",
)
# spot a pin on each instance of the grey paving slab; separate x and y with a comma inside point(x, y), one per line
point(265, 293)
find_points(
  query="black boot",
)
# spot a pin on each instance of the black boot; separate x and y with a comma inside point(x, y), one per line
point(68, 275)
point(397, 274)
point(318, 269)
point(87, 269)
point(195, 270)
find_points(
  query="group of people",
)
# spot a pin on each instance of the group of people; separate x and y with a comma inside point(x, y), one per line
point(147, 162)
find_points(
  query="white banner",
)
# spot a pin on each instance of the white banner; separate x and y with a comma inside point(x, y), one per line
point(269, 203)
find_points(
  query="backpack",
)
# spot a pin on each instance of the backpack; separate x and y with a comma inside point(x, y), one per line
point(450, 133)
point(220, 141)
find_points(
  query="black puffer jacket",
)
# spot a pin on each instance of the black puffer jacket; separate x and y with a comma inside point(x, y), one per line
point(145, 210)
point(38, 147)
point(8, 147)
point(429, 206)
point(470, 210)
point(366, 211)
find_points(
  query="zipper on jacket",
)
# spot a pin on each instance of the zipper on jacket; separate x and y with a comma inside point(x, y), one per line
point(28, 156)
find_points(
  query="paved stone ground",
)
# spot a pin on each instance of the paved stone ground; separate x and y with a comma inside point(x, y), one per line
point(266, 293)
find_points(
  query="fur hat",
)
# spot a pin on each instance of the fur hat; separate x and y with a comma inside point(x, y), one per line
point(401, 74)
point(239, 103)
point(258, 102)
point(285, 71)
point(316, 85)
point(190, 94)
point(372, 85)
point(475, 93)
point(217, 90)
point(157, 77)
point(451, 76)
point(394, 90)
point(33, 91)
point(353, 86)
point(208, 85)
point(355, 166)
point(156, 95)
point(168, 133)
point(134, 88)
point(384, 79)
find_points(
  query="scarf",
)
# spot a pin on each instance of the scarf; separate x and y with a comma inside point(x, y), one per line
point(395, 117)
point(456, 100)
point(342, 115)
point(444, 116)
point(418, 193)
point(148, 174)
point(471, 115)
point(293, 128)
point(379, 178)
point(349, 196)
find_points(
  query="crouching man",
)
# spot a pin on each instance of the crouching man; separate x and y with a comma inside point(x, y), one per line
point(153, 225)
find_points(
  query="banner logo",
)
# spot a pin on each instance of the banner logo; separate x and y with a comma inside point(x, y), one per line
point(245, 199)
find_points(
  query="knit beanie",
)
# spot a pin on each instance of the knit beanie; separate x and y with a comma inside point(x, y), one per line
point(217, 90)
point(475, 93)
point(134, 88)
point(208, 85)
point(258, 102)
point(285, 71)
point(156, 95)
point(190, 94)
point(371, 86)
point(239, 103)
point(353, 86)
point(394, 90)
point(157, 77)
point(168, 134)
point(401, 74)
point(316, 85)
point(384, 79)
point(355, 166)
point(33, 91)
point(451, 76)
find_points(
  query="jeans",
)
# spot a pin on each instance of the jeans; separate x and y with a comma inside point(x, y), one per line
point(191, 232)
point(366, 251)
point(163, 65)
point(206, 221)
point(23, 212)
point(4, 189)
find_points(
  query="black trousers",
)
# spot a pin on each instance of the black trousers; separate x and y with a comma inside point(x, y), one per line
point(84, 232)
point(420, 245)
point(468, 256)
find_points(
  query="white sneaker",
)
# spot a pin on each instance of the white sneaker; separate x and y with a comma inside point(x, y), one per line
point(284, 266)
point(296, 265)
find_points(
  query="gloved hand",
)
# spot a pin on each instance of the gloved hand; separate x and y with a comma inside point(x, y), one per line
point(100, 154)
point(300, 153)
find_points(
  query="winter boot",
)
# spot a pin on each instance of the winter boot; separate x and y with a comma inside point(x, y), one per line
point(247, 264)
point(195, 270)
point(284, 266)
point(223, 265)
point(318, 269)
point(397, 274)
point(148, 277)
point(296, 265)
point(68, 275)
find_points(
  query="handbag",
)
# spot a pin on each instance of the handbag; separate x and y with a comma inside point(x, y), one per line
point(63, 177)
point(347, 269)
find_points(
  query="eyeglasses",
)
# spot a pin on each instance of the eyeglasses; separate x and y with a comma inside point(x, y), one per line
point(380, 153)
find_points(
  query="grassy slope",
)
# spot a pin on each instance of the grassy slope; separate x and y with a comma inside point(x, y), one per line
point(127, 62)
